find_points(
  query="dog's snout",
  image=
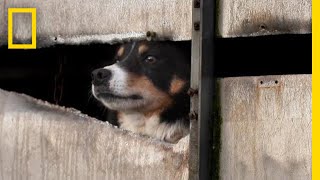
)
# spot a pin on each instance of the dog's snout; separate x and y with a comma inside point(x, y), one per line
point(100, 76)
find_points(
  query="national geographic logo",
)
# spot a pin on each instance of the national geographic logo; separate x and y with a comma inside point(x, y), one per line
point(33, 44)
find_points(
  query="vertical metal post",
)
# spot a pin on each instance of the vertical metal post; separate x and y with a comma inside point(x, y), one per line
point(202, 78)
point(206, 89)
point(194, 85)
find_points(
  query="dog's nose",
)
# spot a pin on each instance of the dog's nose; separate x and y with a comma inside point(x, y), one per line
point(100, 76)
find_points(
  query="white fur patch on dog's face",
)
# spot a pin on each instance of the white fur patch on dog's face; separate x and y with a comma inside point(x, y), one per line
point(151, 126)
point(118, 86)
point(123, 84)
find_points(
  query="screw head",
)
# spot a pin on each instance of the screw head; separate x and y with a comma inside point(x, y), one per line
point(193, 116)
point(196, 4)
point(196, 26)
point(191, 92)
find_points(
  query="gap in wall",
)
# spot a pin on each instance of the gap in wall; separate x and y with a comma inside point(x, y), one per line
point(39, 73)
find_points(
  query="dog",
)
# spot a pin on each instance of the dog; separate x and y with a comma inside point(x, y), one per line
point(147, 87)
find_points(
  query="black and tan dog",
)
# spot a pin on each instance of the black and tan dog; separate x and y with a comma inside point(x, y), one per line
point(147, 86)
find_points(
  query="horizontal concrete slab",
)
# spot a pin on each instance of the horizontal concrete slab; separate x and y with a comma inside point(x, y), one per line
point(78, 21)
point(109, 21)
point(266, 128)
point(40, 141)
point(265, 134)
point(263, 17)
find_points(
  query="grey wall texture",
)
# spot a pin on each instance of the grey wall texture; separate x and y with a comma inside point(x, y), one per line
point(263, 17)
point(107, 21)
point(110, 21)
point(266, 128)
point(265, 134)
point(40, 141)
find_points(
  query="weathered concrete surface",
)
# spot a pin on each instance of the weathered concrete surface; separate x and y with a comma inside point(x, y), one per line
point(108, 21)
point(79, 21)
point(40, 141)
point(266, 134)
point(263, 17)
point(266, 128)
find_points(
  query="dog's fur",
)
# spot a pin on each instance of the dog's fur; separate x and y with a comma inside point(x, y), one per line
point(147, 86)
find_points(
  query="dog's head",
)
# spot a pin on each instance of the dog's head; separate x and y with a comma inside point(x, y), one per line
point(145, 78)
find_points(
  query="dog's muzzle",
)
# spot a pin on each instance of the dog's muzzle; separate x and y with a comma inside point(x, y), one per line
point(100, 76)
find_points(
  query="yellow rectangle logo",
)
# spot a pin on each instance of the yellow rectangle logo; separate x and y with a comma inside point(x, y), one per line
point(33, 44)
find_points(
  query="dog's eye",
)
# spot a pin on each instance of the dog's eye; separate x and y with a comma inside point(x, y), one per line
point(150, 59)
